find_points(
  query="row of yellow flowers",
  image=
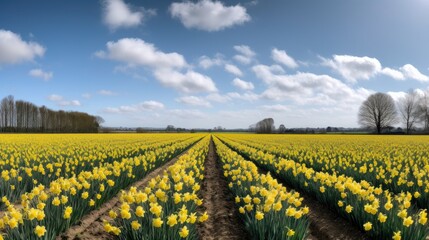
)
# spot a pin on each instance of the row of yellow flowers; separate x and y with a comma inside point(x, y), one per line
point(167, 207)
point(29, 160)
point(398, 163)
point(380, 213)
point(49, 210)
point(269, 211)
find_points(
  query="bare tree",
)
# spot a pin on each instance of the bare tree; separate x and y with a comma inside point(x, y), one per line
point(423, 110)
point(378, 112)
point(408, 110)
point(282, 128)
point(265, 126)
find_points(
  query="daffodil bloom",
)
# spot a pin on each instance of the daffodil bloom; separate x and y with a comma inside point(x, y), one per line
point(367, 226)
point(40, 230)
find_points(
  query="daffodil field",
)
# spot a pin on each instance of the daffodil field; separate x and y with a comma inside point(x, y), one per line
point(50, 182)
point(166, 208)
point(79, 183)
point(379, 183)
point(268, 209)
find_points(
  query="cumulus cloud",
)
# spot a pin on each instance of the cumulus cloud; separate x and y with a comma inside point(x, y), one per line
point(86, 95)
point(135, 52)
point(280, 56)
point(187, 113)
point(167, 67)
point(118, 14)
point(245, 54)
point(208, 15)
point(233, 70)
point(189, 82)
point(275, 108)
point(307, 88)
point(395, 74)
point(354, 68)
point(216, 97)
point(39, 73)
point(59, 100)
point(243, 85)
point(410, 71)
point(194, 101)
point(106, 92)
point(206, 62)
point(151, 105)
point(248, 96)
point(14, 50)
point(140, 107)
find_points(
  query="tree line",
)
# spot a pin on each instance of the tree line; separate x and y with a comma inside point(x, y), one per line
point(379, 112)
point(23, 116)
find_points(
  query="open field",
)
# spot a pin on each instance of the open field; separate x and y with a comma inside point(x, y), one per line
point(213, 186)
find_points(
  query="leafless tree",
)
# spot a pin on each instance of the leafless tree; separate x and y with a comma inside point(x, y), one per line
point(378, 111)
point(408, 110)
point(265, 126)
point(423, 110)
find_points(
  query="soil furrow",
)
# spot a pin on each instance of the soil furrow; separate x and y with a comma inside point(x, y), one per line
point(91, 226)
point(218, 201)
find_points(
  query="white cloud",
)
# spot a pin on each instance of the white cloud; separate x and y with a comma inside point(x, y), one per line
point(117, 14)
point(69, 103)
point(397, 96)
point(307, 88)
point(135, 51)
point(55, 98)
point(39, 73)
point(243, 85)
point(216, 97)
point(86, 95)
point(165, 66)
point(354, 68)
point(106, 93)
point(410, 71)
point(208, 15)
point(143, 106)
point(187, 113)
point(206, 62)
point(14, 50)
point(275, 108)
point(246, 54)
point(194, 101)
point(189, 82)
point(395, 74)
point(151, 105)
point(280, 56)
point(59, 100)
point(233, 70)
point(248, 96)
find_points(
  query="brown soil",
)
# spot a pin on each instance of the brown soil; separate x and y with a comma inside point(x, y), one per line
point(91, 225)
point(218, 201)
point(325, 224)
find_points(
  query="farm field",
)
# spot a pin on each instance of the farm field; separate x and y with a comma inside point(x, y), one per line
point(213, 186)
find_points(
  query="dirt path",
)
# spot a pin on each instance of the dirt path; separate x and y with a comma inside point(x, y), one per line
point(91, 226)
point(218, 201)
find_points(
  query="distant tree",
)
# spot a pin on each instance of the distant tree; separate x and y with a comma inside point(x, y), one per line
point(282, 128)
point(378, 112)
point(170, 128)
point(423, 110)
point(265, 126)
point(408, 110)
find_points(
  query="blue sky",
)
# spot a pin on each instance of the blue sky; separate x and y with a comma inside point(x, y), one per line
point(213, 63)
